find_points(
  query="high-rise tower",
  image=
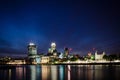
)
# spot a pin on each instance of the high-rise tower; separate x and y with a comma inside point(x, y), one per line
point(32, 54)
point(52, 50)
point(66, 51)
point(53, 46)
point(32, 49)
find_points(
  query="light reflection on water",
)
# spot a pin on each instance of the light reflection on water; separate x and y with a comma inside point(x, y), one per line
point(33, 72)
point(45, 72)
point(61, 72)
point(54, 72)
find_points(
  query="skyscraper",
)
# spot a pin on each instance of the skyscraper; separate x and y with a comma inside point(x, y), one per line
point(52, 49)
point(32, 49)
point(66, 51)
point(53, 46)
point(32, 54)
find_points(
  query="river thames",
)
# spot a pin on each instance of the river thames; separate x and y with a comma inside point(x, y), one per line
point(60, 72)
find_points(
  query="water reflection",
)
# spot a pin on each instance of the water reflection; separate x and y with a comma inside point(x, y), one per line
point(20, 72)
point(68, 70)
point(54, 72)
point(61, 72)
point(9, 74)
point(33, 72)
point(45, 72)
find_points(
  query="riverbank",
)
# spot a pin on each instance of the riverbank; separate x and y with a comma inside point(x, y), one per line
point(73, 63)
point(117, 63)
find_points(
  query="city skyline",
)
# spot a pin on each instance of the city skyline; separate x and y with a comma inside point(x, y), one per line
point(80, 25)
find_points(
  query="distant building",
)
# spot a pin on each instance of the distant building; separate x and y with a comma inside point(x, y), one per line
point(61, 55)
point(89, 54)
point(17, 61)
point(32, 53)
point(32, 49)
point(52, 50)
point(53, 46)
point(99, 56)
point(66, 52)
point(45, 59)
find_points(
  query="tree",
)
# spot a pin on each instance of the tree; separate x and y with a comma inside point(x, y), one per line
point(105, 57)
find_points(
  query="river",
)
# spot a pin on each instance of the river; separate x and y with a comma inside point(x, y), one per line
point(61, 72)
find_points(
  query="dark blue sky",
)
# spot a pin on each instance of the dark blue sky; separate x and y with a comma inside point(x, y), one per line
point(80, 25)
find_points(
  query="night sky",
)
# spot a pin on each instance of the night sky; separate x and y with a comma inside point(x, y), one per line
point(80, 25)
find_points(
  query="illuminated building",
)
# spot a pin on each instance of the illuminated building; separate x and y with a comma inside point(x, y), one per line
point(66, 52)
point(61, 55)
point(99, 56)
point(52, 50)
point(16, 62)
point(45, 59)
point(53, 46)
point(32, 54)
point(89, 54)
point(32, 49)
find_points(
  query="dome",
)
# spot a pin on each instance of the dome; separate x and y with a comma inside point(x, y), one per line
point(31, 44)
point(53, 44)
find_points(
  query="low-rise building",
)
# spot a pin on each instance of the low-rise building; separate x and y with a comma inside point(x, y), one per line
point(99, 56)
point(17, 61)
point(45, 59)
